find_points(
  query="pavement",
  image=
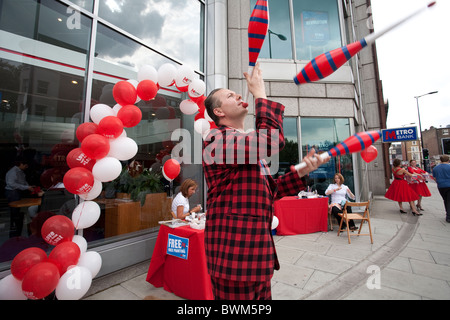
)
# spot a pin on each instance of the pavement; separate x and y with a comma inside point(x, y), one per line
point(409, 260)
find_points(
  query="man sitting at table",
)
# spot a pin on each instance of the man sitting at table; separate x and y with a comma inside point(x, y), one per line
point(17, 188)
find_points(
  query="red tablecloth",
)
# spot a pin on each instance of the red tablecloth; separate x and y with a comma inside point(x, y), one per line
point(187, 279)
point(300, 216)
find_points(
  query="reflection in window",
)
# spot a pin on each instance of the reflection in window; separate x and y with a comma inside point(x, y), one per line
point(289, 155)
point(317, 28)
point(171, 27)
point(323, 134)
point(278, 43)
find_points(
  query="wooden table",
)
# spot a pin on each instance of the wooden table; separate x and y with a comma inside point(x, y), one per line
point(28, 202)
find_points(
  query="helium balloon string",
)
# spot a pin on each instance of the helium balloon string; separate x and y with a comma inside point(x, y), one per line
point(81, 213)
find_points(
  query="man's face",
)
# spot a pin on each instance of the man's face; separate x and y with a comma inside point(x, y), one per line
point(232, 107)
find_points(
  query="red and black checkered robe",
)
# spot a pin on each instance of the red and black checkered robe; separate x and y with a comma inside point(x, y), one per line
point(238, 238)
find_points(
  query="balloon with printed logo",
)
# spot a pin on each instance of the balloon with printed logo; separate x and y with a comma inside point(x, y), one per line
point(166, 75)
point(171, 169)
point(148, 72)
point(40, 281)
point(95, 146)
point(65, 255)
point(78, 181)
point(183, 77)
point(196, 89)
point(107, 169)
point(130, 115)
point(124, 93)
point(57, 229)
point(99, 111)
point(76, 158)
point(110, 127)
point(123, 148)
point(85, 215)
point(25, 260)
point(188, 107)
point(147, 90)
point(369, 154)
point(86, 129)
point(95, 191)
point(66, 290)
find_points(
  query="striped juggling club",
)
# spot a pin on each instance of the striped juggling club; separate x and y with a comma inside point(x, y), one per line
point(353, 144)
point(258, 27)
point(327, 63)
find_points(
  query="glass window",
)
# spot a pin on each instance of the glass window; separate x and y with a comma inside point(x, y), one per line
point(289, 155)
point(42, 85)
point(172, 27)
point(278, 43)
point(322, 134)
point(317, 27)
point(85, 4)
point(147, 194)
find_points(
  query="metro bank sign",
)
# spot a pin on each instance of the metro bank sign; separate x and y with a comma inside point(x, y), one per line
point(399, 134)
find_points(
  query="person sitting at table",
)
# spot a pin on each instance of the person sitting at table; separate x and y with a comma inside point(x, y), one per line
point(16, 188)
point(180, 205)
point(338, 192)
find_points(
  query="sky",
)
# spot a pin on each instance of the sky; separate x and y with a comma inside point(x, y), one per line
point(414, 59)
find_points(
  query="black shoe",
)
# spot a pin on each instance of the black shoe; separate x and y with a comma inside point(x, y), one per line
point(416, 213)
point(401, 211)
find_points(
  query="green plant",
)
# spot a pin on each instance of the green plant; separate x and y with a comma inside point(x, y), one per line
point(138, 187)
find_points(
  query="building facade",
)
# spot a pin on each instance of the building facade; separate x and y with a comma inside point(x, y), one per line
point(65, 57)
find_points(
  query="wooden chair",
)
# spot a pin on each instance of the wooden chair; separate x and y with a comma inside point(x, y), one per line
point(362, 215)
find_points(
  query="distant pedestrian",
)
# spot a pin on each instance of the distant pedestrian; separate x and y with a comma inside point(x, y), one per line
point(442, 175)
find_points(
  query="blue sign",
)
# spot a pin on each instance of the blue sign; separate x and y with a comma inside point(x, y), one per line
point(400, 134)
point(177, 246)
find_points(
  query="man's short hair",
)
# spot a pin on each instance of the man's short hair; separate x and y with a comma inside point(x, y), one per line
point(212, 103)
point(444, 158)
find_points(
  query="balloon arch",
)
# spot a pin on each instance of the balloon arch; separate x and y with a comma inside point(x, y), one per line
point(69, 268)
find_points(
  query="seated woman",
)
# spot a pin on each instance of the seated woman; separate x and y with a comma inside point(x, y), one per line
point(180, 205)
point(338, 192)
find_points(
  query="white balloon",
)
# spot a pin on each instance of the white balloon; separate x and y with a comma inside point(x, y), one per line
point(74, 284)
point(92, 261)
point(184, 76)
point(275, 222)
point(100, 111)
point(166, 75)
point(197, 88)
point(188, 107)
point(95, 191)
point(148, 72)
point(201, 126)
point(107, 169)
point(11, 289)
point(207, 117)
point(85, 215)
point(116, 109)
point(123, 148)
point(80, 242)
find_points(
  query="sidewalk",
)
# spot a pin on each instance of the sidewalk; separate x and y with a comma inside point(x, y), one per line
point(409, 259)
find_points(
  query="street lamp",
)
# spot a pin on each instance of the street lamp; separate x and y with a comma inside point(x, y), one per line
point(280, 36)
point(420, 126)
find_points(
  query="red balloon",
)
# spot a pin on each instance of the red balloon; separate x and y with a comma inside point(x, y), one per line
point(130, 115)
point(57, 229)
point(78, 180)
point(65, 255)
point(111, 127)
point(25, 260)
point(76, 158)
point(200, 115)
point(95, 146)
point(171, 169)
point(369, 154)
point(40, 280)
point(147, 90)
point(124, 93)
point(86, 129)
